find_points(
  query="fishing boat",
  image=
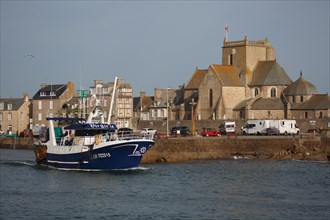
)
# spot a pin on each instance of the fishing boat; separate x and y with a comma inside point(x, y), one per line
point(90, 145)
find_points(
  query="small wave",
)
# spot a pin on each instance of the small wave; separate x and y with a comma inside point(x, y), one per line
point(239, 157)
point(18, 163)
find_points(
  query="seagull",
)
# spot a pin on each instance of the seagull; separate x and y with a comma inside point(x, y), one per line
point(30, 55)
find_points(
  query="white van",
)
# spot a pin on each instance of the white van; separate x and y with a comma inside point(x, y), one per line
point(255, 127)
point(261, 127)
point(287, 127)
point(228, 127)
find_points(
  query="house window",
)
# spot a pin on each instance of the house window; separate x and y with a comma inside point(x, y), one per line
point(42, 93)
point(39, 105)
point(105, 90)
point(21, 115)
point(294, 99)
point(306, 114)
point(211, 97)
point(321, 115)
point(51, 104)
point(39, 117)
point(9, 106)
point(99, 90)
point(301, 98)
point(256, 92)
point(52, 93)
point(273, 93)
point(10, 116)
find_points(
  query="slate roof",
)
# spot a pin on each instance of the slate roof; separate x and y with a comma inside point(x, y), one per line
point(316, 102)
point(242, 104)
point(300, 87)
point(58, 89)
point(268, 104)
point(15, 102)
point(228, 75)
point(196, 79)
point(269, 73)
point(147, 102)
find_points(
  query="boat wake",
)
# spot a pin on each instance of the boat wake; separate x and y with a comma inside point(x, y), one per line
point(134, 169)
point(18, 163)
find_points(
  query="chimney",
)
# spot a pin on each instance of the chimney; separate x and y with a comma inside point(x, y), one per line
point(97, 81)
point(43, 85)
point(142, 94)
point(25, 96)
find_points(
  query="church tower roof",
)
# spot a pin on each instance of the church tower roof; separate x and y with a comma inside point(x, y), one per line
point(269, 73)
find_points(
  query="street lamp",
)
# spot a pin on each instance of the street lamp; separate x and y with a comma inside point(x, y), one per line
point(193, 103)
point(167, 112)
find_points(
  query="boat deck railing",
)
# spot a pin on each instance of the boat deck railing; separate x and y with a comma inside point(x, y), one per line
point(101, 138)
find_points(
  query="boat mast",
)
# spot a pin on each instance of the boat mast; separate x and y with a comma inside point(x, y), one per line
point(112, 99)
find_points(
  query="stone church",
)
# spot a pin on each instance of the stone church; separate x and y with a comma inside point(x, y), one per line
point(250, 84)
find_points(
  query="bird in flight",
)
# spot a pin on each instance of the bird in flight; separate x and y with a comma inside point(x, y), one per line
point(30, 55)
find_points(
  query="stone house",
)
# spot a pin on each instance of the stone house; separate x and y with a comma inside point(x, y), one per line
point(141, 106)
point(49, 101)
point(15, 114)
point(100, 95)
point(124, 105)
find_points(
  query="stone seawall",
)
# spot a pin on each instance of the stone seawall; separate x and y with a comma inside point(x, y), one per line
point(186, 149)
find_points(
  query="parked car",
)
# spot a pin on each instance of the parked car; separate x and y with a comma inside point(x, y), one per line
point(210, 132)
point(125, 131)
point(180, 130)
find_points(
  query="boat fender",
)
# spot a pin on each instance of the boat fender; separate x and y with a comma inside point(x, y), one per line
point(98, 139)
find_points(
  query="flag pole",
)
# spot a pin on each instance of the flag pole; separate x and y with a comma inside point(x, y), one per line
point(226, 29)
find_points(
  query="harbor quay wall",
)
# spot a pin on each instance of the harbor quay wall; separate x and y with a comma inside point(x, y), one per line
point(284, 148)
point(161, 125)
point(184, 149)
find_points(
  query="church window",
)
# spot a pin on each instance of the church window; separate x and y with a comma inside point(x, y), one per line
point(273, 93)
point(211, 97)
point(256, 91)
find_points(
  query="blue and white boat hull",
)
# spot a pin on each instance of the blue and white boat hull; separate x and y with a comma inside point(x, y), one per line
point(124, 154)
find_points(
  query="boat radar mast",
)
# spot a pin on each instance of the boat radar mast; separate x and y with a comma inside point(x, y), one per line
point(112, 100)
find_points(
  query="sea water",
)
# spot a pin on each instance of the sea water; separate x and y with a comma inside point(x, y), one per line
point(213, 189)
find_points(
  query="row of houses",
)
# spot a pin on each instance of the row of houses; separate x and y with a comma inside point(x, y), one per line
point(249, 84)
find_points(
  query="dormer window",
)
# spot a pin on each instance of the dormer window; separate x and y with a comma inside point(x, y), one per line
point(2, 105)
point(52, 93)
point(42, 93)
point(9, 106)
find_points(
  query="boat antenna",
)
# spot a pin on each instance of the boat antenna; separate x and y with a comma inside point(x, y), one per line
point(112, 100)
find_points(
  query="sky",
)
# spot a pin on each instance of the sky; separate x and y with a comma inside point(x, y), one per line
point(151, 44)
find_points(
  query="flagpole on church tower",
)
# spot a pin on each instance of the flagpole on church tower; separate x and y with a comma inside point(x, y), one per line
point(226, 29)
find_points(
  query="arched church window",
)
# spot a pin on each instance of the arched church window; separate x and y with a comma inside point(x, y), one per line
point(211, 97)
point(256, 91)
point(273, 93)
